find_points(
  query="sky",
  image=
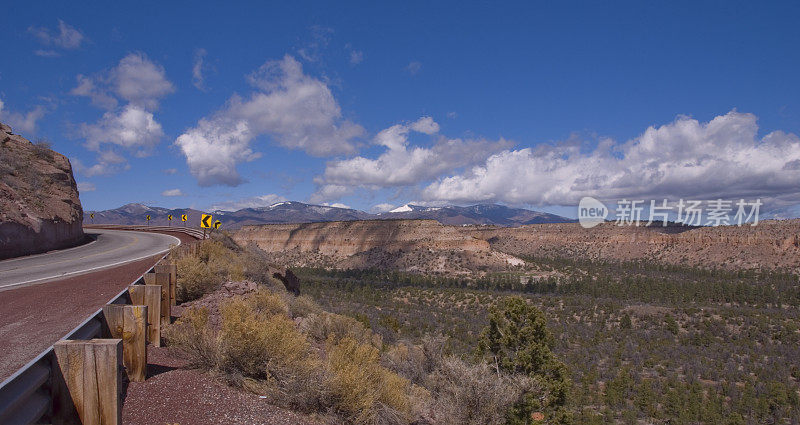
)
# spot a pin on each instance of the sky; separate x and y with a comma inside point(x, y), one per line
point(376, 104)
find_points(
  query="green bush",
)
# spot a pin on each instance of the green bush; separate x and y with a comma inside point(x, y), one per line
point(517, 341)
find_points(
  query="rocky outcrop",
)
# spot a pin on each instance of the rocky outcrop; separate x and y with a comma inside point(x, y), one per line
point(772, 244)
point(39, 206)
point(346, 238)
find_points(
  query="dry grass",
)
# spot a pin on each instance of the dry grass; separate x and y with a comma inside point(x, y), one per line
point(364, 391)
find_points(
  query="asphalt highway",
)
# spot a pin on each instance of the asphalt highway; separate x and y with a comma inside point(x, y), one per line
point(110, 248)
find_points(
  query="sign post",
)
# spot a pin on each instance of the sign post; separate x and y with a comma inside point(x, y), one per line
point(205, 223)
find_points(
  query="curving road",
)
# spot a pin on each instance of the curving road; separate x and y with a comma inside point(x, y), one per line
point(109, 248)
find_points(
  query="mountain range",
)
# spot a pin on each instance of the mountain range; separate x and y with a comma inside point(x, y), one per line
point(298, 212)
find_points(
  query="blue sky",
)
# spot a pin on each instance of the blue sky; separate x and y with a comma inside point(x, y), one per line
point(373, 105)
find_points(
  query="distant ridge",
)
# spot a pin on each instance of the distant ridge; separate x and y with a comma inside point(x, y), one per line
point(299, 212)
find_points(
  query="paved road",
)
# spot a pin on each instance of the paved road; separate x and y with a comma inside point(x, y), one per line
point(109, 249)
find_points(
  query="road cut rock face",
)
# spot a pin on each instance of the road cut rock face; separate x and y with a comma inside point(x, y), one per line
point(39, 206)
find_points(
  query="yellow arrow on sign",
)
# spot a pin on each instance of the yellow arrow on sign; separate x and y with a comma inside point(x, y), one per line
point(205, 221)
point(91, 215)
point(217, 224)
point(183, 217)
point(148, 217)
point(169, 217)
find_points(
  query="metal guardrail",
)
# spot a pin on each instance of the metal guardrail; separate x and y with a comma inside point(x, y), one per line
point(191, 231)
point(25, 396)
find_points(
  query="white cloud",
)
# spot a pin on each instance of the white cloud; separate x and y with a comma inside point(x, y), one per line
point(252, 202)
point(356, 57)
point(297, 111)
point(401, 164)
point(197, 69)
point(381, 208)
point(170, 171)
point(65, 36)
point(140, 81)
point(172, 192)
point(413, 67)
point(132, 128)
point(86, 187)
point(336, 205)
point(722, 158)
point(88, 88)
point(19, 122)
point(46, 53)
point(425, 125)
point(108, 162)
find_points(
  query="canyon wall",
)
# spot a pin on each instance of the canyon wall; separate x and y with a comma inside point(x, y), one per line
point(346, 238)
point(770, 244)
point(39, 206)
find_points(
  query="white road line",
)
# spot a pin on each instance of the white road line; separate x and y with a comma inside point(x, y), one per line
point(11, 285)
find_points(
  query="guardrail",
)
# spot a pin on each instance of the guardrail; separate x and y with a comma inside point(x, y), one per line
point(191, 231)
point(28, 396)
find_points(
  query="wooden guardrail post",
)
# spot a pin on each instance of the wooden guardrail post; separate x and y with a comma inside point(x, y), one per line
point(149, 295)
point(163, 280)
point(129, 322)
point(171, 268)
point(87, 382)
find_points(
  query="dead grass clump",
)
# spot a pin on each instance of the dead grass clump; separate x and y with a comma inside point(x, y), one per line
point(464, 393)
point(303, 306)
point(334, 327)
point(266, 303)
point(195, 278)
point(260, 345)
point(195, 338)
point(416, 362)
point(365, 392)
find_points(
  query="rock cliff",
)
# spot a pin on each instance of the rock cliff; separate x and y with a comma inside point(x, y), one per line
point(39, 205)
point(346, 238)
point(772, 244)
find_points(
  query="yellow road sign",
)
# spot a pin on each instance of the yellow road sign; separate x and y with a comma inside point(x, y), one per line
point(147, 217)
point(169, 217)
point(205, 221)
point(183, 217)
point(217, 224)
point(91, 215)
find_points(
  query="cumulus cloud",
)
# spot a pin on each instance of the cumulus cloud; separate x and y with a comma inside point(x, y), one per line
point(139, 82)
point(402, 164)
point(132, 128)
point(722, 158)
point(172, 192)
point(252, 202)
point(296, 110)
point(197, 69)
point(65, 36)
point(21, 123)
point(86, 187)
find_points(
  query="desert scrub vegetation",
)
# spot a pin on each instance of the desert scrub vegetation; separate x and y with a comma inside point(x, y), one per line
point(311, 360)
point(667, 351)
point(334, 366)
point(219, 259)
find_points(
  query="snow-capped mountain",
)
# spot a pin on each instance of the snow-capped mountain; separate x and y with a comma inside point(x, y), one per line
point(298, 212)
